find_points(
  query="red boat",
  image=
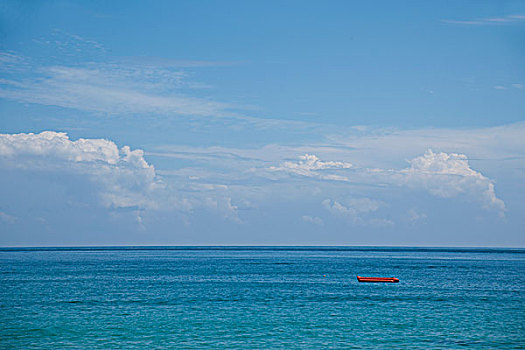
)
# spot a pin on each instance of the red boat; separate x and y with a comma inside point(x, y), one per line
point(378, 279)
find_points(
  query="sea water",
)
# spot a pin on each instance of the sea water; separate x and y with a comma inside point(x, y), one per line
point(261, 298)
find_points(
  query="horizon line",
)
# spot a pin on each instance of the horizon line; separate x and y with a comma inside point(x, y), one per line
point(218, 247)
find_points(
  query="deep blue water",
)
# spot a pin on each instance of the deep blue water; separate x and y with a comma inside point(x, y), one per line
point(261, 298)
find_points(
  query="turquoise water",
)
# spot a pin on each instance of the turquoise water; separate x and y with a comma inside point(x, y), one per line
point(261, 298)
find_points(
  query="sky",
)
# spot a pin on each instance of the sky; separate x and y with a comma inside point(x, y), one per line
point(262, 123)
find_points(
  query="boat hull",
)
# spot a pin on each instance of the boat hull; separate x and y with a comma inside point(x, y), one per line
point(378, 279)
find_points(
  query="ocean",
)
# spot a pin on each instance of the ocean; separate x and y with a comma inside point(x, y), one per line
point(261, 298)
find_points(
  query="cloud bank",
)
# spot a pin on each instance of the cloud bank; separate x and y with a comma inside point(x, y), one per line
point(122, 178)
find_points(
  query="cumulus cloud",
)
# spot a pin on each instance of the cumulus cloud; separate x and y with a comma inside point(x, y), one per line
point(123, 176)
point(123, 180)
point(449, 174)
point(310, 165)
point(443, 174)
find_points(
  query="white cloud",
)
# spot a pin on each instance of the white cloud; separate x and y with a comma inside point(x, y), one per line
point(388, 148)
point(123, 176)
point(379, 222)
point(126, 87)
point(443, 174)
point(516, 86)
point(448, 175)
point(61, 44)
point(223, 179)
point(224, 206)
point(313, 220)
point(441, 164)
point(56, 145)
point(414, 215)
point(352, 209)
point(498, 149)
point(311, 166)
point(9, 219)
point(111, 89)
point(511, 19)
point(493, 147)
point(372, 153)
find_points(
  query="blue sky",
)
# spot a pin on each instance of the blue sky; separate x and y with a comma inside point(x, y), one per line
point(261, 122)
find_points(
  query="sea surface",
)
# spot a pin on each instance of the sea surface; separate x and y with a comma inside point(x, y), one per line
point(261, 298)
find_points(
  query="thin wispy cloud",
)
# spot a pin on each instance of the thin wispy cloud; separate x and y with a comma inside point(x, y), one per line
point(107, 88)
point(511, 86)
point(126, 86)
point(511, 19)
point(99, 84)
point(60, 45)
point(129, 89)
point(152, 61)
